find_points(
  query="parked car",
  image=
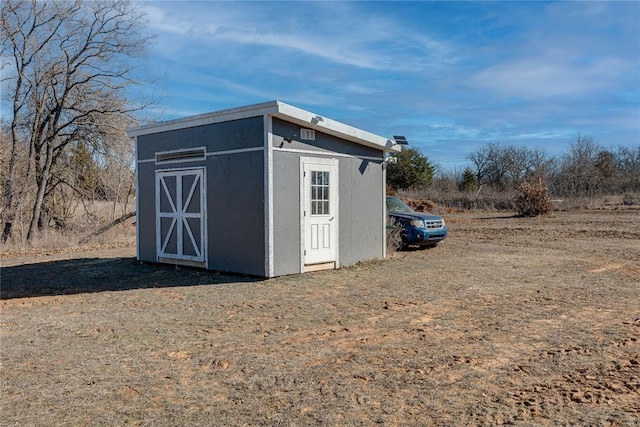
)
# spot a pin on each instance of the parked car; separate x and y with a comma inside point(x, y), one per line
point(418, 228)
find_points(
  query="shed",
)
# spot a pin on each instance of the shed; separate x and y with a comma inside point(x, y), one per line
point(267, 190)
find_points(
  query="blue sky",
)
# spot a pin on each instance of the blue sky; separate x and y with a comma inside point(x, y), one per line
point(450, 76)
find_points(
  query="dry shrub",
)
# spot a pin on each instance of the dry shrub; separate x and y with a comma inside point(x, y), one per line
point(533, 199)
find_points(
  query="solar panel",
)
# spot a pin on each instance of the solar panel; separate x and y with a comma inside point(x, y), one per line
point(400, 140)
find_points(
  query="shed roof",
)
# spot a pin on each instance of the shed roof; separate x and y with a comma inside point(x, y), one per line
point(277, 109)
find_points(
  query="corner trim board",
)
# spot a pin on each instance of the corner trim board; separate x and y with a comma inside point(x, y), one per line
point(268, 189)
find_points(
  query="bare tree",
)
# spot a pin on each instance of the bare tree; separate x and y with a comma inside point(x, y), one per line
point(576, 175)
point(605, 171)
point(119, 175)
point(628, 166)
point(518, 164)
point(72, 62)
point(542, 165)
point(494, 163)
point(481, 160)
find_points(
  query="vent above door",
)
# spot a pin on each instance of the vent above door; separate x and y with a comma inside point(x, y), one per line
point(183, 155)
point(308, 134)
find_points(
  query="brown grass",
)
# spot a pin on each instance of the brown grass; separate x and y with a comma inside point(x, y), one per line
point(511, 321)
point(88, 217)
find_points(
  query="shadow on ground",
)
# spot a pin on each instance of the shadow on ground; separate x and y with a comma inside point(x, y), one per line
point(87, 275)
point(513, 216)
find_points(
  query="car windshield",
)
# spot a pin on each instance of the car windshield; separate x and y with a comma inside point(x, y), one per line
point(396, 205)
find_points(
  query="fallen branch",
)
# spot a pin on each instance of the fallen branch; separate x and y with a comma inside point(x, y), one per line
point(477, 193)
point(107, 227)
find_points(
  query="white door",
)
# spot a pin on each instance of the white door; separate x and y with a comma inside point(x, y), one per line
point(319, 210)
point(180, 201)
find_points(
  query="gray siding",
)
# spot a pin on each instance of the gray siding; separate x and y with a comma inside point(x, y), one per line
point(146, 212)
point(235, 213)
point(326, 144)
point(286, 213)
point(233, 135)
point(361, 211)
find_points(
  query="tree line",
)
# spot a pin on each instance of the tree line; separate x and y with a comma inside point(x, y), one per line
point(587, 169)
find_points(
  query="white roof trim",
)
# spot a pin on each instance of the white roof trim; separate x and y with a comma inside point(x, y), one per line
point(277, 109)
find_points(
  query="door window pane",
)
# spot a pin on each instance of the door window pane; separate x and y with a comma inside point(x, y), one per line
point(319, 193)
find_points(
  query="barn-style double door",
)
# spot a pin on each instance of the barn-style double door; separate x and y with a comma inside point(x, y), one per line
point(180, 215)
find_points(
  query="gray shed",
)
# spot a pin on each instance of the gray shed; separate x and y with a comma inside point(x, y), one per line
point(266, 190)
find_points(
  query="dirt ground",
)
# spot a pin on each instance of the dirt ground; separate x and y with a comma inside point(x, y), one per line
point(510, 321)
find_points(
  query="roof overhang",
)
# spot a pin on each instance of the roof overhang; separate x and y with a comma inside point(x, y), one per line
point(279, 110)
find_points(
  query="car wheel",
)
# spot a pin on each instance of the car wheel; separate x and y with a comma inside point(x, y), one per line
point(395, 240)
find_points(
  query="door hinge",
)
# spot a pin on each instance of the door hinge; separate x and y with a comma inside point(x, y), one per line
point(305, 252)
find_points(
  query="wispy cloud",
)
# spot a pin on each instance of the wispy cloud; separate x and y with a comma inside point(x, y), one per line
point(544, 78)
point(376, 43)
point(448, 75)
